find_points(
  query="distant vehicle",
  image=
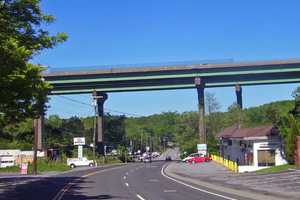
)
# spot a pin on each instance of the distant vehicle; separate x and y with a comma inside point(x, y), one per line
point(192, 156)
point(146, 157)
point(168, 158)
point(199, 159)
point(155, 154)
point(77, 162)
point(114, 152)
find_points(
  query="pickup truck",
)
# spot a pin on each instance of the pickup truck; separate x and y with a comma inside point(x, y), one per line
point(76, 162)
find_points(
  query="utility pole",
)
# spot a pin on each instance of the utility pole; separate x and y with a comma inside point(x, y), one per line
point(34, 162)
point(95, 127)
point(99, 99)
point(141, 140)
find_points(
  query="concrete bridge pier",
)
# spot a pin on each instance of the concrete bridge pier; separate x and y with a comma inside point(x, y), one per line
point(200, 85)
point(239, 98)
point(101, 98)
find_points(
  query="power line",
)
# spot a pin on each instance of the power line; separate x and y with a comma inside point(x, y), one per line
point(108, 109)
point(76, 101)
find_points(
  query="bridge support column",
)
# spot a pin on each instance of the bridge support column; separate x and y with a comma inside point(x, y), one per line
point(38, 128)
point(101, 98)
point(201, 123)
point(239, 98)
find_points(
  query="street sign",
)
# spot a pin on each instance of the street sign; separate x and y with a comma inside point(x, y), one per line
point(79, 141)
point(202, 148)
point(80, 152)
point(24, 168)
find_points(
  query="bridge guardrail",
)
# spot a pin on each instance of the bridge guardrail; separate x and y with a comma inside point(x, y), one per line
point(233, 166)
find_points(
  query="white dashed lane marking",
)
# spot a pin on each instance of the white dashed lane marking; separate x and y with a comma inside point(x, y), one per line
point(169, 191)
point(140, 197)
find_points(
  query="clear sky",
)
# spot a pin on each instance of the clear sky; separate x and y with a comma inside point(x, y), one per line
point(147, 31)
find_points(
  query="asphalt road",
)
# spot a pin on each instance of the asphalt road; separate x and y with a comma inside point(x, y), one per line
point(134, 181)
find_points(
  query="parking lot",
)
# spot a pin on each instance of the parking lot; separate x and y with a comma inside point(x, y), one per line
point(284, 183)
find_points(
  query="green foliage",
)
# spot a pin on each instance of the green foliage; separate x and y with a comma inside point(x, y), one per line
point(22, 90)
point(123, 154)
point(296, 110)
point(10, 169)
point(289, 126)
point(45, 165)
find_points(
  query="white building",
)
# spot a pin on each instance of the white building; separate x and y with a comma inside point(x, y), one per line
point(252, 148)
point(12, 157)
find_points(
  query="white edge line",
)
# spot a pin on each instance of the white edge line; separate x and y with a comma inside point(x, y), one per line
point(195, 188)
point(140, 197)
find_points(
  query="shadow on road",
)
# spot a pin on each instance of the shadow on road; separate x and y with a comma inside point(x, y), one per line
point(44, 188)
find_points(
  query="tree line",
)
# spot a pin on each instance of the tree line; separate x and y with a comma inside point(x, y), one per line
point(156, 131)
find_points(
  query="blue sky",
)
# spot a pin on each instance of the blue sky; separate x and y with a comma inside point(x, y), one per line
point(135, 31)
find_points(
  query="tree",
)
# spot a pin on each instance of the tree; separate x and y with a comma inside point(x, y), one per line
point(236, 116)
point(273, 115)
point(289, 129)
point(23, 92)
point(296, 110)
point(211, 103)
point(213, 121)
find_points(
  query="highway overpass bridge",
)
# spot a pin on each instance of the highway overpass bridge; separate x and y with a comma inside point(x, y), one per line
point(198, 76)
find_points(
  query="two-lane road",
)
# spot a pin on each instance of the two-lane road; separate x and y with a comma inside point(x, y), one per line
point(135, 181)
point(140, 181)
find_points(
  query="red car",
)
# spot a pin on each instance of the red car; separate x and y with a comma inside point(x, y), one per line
point(199, 159)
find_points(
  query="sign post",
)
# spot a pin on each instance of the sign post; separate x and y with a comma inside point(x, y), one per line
point(79, 141)
point(202, 149)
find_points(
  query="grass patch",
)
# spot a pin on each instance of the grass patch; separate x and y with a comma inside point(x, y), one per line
point(45, 165)
point(10, 169)
point(275, 169)
point(50, 166)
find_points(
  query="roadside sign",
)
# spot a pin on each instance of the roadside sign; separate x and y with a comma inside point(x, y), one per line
point(24, 168)
point(147, 148)
point(79, 141)
point(80, 152)
point(202, 148)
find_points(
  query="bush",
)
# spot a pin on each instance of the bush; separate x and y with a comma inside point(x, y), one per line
point(289, 129)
